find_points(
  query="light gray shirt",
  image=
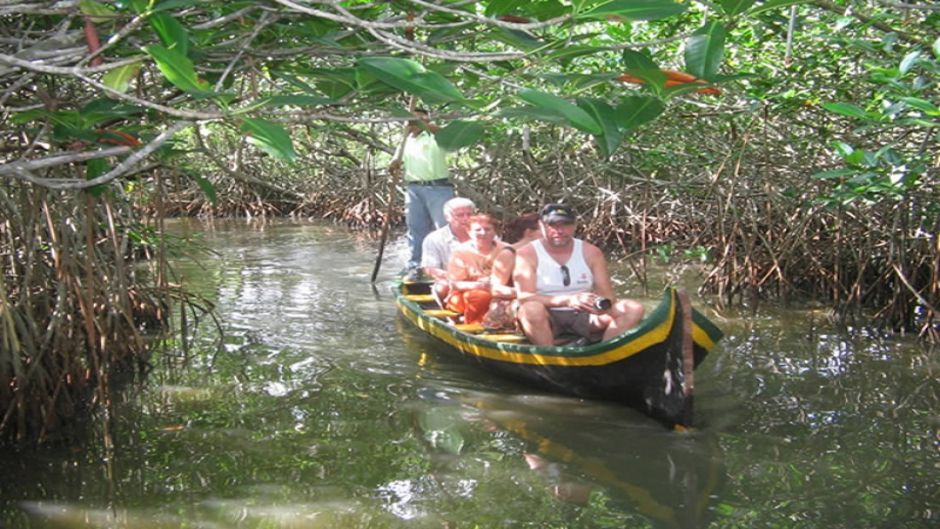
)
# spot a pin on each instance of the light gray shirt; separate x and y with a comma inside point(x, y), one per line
point(437, 247)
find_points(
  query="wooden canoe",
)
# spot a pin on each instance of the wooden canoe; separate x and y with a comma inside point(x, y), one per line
point(649, 367)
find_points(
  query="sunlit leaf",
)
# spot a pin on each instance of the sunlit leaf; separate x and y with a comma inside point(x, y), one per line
point(848, 109)
point(634, 10)
point(459, 133)
point(922, 104)
point(573, 115)
point(411, 77)
point(178, 69)
point(119, 79)
point(909, 61)
point(705, 50)
point(172, 34)
point(270, 137)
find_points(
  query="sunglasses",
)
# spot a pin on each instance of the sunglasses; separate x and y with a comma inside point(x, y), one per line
point(565, 275)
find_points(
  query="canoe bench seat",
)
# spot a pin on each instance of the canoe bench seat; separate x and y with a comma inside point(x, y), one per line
point(480, 330)
point(441, 313)
point(420, 298)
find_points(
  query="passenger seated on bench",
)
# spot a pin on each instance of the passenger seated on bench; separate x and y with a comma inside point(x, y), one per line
point(469, 268)
point(561, 280)
point(440, 243)
point(519, 232)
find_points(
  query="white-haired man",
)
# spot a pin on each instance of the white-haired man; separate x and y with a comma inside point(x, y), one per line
point(438, 245)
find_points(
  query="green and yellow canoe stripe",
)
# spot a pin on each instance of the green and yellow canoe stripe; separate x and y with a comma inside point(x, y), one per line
point(604, 353)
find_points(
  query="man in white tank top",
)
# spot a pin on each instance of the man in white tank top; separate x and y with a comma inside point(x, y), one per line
point(560, 281)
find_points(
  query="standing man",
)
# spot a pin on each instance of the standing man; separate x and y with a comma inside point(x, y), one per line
point(427, 183)
point(563, 283)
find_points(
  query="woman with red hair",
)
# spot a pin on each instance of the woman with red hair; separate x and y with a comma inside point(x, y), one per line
point(469, 268)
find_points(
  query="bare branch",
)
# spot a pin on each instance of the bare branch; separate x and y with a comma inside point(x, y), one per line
point(23, 173)
point(12, 168)
point(420, 49)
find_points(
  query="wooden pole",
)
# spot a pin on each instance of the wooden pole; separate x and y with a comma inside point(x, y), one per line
point(392, 189)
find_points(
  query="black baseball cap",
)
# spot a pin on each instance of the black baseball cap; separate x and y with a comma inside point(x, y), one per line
point(557, 213)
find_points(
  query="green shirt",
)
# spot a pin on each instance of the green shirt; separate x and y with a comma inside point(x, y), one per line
point(423, 159)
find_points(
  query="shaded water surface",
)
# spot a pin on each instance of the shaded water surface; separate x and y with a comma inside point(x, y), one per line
point(317, 407)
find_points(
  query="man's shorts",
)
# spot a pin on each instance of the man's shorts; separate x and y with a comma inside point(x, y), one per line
point(569, 321)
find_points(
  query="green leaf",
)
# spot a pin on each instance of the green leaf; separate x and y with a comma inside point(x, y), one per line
point(96, 11)
point(775, 4)
point(94, 169)
point(848, 109)
point(922, 104)
point(633, 111)
point(611, 136)
point(270, 137)
point(520, 40)
point(459, 133)
point(500, 7)
point(572, 114)
point(105, 108)
point(634, 10)
point(570, 52)
point(172, 34)
point(296, 100)
point(119, 79)
point(704, 51)
point(334, 82)
point(531, 112)
point(833, 173)
point(178, 69)
point(207, 188)
point(735, 7)
point(909, 61)
point(641, 66)
point(936, 48)
point(409, 76)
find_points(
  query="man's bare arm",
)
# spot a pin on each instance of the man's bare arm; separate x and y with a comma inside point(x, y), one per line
point(598, 265)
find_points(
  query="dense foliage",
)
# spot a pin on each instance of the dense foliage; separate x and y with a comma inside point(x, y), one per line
point(790, 144)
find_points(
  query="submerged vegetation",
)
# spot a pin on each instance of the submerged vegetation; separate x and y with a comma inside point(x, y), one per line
point(798, 160)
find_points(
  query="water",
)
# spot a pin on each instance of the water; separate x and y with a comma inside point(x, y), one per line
point(318, 407)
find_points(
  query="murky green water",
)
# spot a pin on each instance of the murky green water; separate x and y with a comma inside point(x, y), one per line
point(320, 408)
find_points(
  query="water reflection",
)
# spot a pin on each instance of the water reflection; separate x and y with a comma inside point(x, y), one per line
point(586, 452)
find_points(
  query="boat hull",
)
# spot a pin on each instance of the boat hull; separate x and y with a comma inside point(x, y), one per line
point(649, 367)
